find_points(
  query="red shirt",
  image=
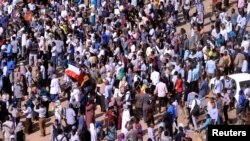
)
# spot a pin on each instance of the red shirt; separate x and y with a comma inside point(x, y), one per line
point(179, 87)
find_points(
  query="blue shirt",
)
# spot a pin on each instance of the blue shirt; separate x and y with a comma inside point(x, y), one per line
point(172, 110)
point(210, 66)
point(196, 73)
point(10, 66)
point(234, 18)
point(108, 89)
point(9, 49)
point(242, 99)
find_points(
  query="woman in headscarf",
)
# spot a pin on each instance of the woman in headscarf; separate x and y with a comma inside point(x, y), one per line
point(125, 119)
point(92, 131)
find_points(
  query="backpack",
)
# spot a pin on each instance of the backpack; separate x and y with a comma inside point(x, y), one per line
point(196, 109)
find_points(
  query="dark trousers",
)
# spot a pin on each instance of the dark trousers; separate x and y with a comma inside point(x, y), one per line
point(138, 113)
point(15, 57)
point(179, 97)
point(28, 126)
point(161, 103)
point(102, 103)
point(169, 128)
point(20, 136)
point(186, 14)
point(225, 108)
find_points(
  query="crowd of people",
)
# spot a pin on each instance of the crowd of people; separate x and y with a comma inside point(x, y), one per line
point(135, 64)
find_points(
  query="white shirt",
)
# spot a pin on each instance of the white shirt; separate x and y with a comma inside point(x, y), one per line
point(247, 92)
point(75, 95)
point(245, 44)
point(41, 112)
point(151, 133)
point(1, 31)
point(32, 6)
point(215, 34)
point(222, 17)
point(64, 13)
point(55, 86)
point(24, 38)
point(224, 32)
point(155, 77)
point(218, 86)
point(228, 26)
point(248, 8)
point(70, 116)
point(241, 21)
point(189, 78)
point(58, 113)
point(244, 66)
point(75, 138)
point(10, 8)
point(61, 138)
point(214, 114)
point(53, 51)
point(42, 71)
point(5, 70)
point(161, 89)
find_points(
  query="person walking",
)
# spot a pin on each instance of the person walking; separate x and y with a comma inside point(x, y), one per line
point(28, 119)
point(226, 102)
point(41, 110)
point(70, 117)
point(194, 111)
point(161, 91)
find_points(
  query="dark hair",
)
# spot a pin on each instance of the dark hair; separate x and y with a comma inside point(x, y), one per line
point(181, 129)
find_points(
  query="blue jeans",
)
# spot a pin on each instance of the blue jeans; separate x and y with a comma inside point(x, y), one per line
point(54, 97)
point(54, 60)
